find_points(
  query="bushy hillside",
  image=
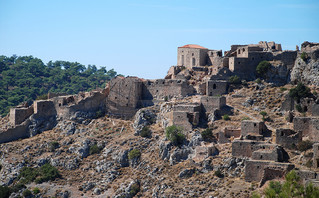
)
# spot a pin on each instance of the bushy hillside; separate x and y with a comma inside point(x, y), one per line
point(25, 78)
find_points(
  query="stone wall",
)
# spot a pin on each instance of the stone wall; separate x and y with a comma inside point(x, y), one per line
point(211, 103)
point(243, 148)
point(288, 138)
point(230, 132)
point(191, 57)
point(18, 115)
point(44, 108)
point(216, 87)
point(249, 127)
point(315, 155)
point(315, 109)
point(254, 169)
point(18, 132)
point(308, 126)
point(124, 96)
point(161, 89)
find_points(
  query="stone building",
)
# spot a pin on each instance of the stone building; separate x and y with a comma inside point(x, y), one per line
point(195, 56)
point(308, 126)
point(315, 155)
point(288, 138)
point(254, 128)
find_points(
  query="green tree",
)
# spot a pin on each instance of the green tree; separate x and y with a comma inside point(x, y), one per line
point(175, 135)
point(262, 68)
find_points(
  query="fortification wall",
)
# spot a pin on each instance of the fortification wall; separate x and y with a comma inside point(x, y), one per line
point(18, 115)
point(44, 108)
point(161, 89)
point(15, 133)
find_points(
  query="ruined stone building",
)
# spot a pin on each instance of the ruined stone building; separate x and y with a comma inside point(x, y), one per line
point(241, 60)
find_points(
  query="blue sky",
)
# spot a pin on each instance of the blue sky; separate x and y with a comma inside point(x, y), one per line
point(140, 37)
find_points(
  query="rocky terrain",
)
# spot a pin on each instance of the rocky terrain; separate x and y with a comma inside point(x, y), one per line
point(162, 170)
point(99, 154)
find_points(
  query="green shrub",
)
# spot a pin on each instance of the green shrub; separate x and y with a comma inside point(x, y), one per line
point(234, 80)
point(299, 108)
point(135, 153)
point(262, 68)
point(304, 56)
point(263, 114)
point(292, 187)
point(282, 89)
point(47, 172)
point(219, 173)
point(94, 149)
point(146, 132)
point(5, 191)
point(28, 175)
point(299, 92)
point(304, 145)
point(315, 93)
point(135, 188)
point(99, 114)
point(53, 146)
point(258, 81)
point(36, 190)
point(18, 187)
point(245, 118)
point(226, 117)
point(207, 134)
point(175, 135)
point(27, 193)
point(42, 97)
point(165, 98)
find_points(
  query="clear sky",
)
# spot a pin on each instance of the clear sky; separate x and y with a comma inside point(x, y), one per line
point(140, 37)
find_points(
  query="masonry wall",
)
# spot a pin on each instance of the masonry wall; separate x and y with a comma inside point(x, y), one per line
point(315, 155)
point(242, 148)
point(230, 132)
point(216, 87)
point(15, 133)
point(180, 119)
point(210, 103)
point(314, 129)
point(161, 89)
point(18, 115)
point(288, 138)
point(124, 96)
point(44, 108)
point(254, 169)
point(252, 127)
point(191, 57)
point(302, 124)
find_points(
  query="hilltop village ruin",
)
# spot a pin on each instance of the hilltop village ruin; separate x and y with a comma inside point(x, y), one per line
point(192, 95)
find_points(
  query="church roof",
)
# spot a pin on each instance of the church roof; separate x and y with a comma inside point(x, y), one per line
point(193, 46)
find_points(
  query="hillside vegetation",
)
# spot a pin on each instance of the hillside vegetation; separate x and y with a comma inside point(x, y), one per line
point(25, 78)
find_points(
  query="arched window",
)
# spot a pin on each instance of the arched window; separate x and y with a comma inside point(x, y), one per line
point(193, 61)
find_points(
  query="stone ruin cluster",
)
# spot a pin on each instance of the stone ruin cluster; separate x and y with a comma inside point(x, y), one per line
point(124, 96)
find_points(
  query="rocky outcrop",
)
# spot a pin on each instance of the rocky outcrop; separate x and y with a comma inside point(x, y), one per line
point(306, 68)
point(143, 117)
